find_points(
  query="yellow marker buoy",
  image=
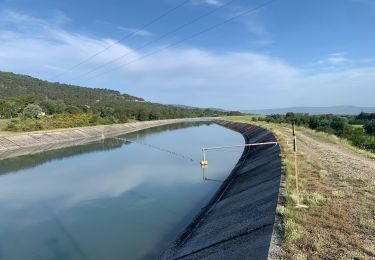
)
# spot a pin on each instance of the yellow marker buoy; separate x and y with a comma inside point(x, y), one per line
point(204, 164)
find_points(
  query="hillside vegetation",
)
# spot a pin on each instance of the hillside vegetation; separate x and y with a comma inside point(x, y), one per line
point(12, 85)
point(359, 130)
point(33, 104)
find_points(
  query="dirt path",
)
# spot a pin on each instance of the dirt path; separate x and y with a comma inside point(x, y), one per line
point(335, 158)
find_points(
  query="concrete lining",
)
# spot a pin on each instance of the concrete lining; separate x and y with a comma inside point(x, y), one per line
point(238, 221)
point(27, 143)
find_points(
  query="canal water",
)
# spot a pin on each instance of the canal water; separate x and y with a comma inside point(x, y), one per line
point(111, 199)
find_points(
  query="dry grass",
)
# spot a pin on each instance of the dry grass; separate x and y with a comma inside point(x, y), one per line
point(340, 220)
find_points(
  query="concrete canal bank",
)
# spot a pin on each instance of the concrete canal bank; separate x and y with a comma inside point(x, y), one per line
point(238, 221)
point(12, 145)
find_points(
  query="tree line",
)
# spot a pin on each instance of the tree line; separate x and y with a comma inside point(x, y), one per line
point(360, 129)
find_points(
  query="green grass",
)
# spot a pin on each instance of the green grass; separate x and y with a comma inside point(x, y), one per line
point(293, 231)
point(3, 124)
point(338, 194)
point(366, 221)
point(317, 199)
point(323, 173)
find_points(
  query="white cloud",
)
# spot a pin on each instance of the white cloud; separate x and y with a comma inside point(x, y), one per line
point(191, 76)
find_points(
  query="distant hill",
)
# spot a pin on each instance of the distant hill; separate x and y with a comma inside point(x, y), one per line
point(209, 108)
point(337, 110)
point(17, 85)
point(99, 101)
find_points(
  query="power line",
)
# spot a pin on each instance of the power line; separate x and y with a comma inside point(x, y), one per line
point(247, 11)
point(157, 39)
point(127, 36)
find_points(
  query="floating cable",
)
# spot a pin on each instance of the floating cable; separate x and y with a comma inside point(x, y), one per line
point(157, 148)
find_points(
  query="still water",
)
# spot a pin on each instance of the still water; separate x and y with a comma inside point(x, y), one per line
point(110, 199)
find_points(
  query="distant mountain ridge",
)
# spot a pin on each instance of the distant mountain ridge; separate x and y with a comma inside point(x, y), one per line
point(337, 110)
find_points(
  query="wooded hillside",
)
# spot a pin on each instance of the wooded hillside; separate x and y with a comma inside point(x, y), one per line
point(20, 85)
point(38, 104)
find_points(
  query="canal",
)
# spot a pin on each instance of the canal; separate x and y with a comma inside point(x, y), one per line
point(111, 199)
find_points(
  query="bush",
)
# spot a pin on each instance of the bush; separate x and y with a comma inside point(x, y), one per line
point(370, 127)
point(53, 106)
point(73, 109)
point(32, 111)
point(57, 121)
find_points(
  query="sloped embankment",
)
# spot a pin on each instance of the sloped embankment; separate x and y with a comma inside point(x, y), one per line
point(238, 221)
point(12, 145)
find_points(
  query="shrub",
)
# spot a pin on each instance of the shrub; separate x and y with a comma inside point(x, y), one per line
point(370, 127)
point(32, 111)
point(293, 232)
point(317, 199)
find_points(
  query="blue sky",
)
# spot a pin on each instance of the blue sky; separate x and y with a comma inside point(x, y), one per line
point(288, 53)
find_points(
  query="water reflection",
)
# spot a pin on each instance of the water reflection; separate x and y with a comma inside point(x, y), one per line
point(108, 200)
point(208, 179)
point(32, 160)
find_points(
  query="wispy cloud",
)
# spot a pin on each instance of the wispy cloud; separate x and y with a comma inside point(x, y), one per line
point(135, 31)
point(183, 75)
point(332, 60)
point(209, 2)
point(336, 58)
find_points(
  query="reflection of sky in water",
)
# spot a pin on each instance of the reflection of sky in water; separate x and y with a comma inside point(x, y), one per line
point(123, 203)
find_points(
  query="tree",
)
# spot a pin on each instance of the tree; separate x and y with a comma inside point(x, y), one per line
point(314, 123)
point(105, 111)
point(143, 115)
point(366, 116)
point(8, 109)
point(32, 111)
point(53, 106)
point(73, 109)
point(121, 114)
point(339, 123)
point(370, 127)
